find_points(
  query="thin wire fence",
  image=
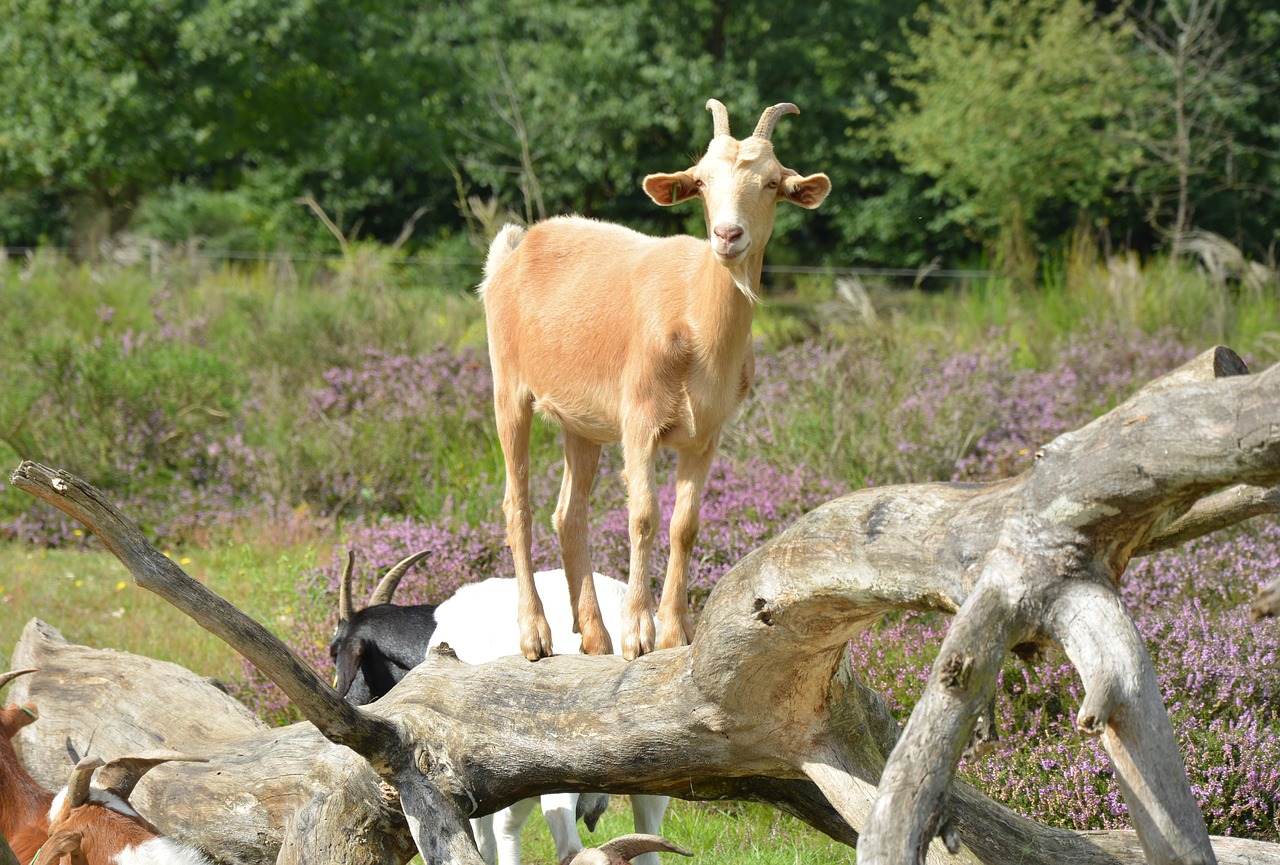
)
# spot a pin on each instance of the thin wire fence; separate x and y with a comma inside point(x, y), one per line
point(849, 287)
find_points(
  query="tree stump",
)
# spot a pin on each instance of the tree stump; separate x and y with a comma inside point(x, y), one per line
point(768, 709)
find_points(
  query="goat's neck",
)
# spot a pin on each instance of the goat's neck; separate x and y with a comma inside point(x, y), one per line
point(722, 311)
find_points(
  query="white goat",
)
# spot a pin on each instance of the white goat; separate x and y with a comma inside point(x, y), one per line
point(466, 623)
point(617, 336)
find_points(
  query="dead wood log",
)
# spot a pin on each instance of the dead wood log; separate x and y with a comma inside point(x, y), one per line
point(765, 709)
point(276, 794)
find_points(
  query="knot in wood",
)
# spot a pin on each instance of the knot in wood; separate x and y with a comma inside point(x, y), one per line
point(954, 672)
point(763, 611)
point(424, 762)
point(445, 650)
point(390, 794)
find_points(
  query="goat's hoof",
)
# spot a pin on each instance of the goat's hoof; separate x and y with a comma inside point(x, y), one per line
point(635, 647)
point(596, 641)
point(535, 642)
point(674, 639)
point(597, 647)
point(537, 651)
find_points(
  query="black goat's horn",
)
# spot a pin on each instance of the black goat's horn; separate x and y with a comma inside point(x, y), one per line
point(345, 610)
point(719, 116)
point(386, 587)
point(770, 118)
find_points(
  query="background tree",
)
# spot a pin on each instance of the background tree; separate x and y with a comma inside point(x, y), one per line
point(108, 101)
point(1189, 122)
point(1011, 110)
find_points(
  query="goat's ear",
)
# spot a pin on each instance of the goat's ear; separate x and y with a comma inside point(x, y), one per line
point(669, 189)
point(349, 657)
point(808, 192)
point(14, 717)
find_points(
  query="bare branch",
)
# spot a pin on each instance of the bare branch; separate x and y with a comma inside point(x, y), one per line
point(345, 724)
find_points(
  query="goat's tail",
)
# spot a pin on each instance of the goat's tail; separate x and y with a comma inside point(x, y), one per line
point(504, 243)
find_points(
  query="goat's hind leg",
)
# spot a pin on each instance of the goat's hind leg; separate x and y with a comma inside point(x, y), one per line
point(581, 457)
point(514, 415)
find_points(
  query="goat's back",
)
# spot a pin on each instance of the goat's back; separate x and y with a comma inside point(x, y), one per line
point(479, 621)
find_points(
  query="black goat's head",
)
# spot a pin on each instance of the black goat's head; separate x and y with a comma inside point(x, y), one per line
point(364, 642)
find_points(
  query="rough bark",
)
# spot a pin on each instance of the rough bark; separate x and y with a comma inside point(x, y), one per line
point(767, 710)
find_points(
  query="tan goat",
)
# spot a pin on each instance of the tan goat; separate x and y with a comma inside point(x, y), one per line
point(617, 336)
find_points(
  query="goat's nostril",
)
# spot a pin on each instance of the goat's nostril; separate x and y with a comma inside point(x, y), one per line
point(728, 233)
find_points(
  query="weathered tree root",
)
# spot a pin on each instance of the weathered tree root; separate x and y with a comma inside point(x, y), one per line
point(766, 709)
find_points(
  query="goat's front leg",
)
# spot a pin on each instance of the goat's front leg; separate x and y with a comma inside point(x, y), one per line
point(514, 417)
point(581, 457)
point(674, 623)
point(639, 449)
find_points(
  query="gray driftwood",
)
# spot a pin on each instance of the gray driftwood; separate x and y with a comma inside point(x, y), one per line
point(760, 706)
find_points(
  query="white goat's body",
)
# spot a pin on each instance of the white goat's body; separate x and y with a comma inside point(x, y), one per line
point(617, 336)
point(466, 623)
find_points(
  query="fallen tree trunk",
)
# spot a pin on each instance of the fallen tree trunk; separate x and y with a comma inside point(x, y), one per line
point(760, 706)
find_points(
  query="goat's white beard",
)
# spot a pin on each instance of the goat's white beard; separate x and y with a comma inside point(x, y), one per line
point(743, 284)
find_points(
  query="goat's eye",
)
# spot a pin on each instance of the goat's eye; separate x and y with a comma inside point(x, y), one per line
point(773, 184)
point(699, 184)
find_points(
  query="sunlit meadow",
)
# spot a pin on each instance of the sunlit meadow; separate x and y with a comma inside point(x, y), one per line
point(259, 425)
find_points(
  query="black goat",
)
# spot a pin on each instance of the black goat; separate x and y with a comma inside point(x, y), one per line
point(374, 648)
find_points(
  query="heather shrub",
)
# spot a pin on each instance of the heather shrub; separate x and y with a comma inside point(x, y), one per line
point(897, 414)
point(1218, 672)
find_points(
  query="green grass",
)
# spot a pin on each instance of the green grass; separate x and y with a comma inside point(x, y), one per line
point(738, 832)
point(92, 600)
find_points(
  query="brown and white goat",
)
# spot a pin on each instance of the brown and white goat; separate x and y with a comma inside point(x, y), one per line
point(97, 825)
point(24, 804)
point(617, 336)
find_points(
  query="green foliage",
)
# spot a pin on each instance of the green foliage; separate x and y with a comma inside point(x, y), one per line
point(116, 404)
point(110, 101)
point(950, 130)
point(1012, 111)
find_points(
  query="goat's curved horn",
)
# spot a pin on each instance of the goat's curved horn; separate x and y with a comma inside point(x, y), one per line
point(770, 118)
point(345, 610)
point(78, 783)
point(122, 774)
point(6, 678)
point(631, 846)
point(61, 846)
point(387, 585)
point(719, 116)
